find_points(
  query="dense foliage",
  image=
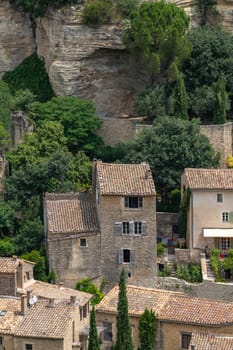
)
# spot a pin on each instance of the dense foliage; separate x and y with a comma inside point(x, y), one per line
point(30, 74)
point(85, 285)
point(147, 330)
point(38, 7)
point(156, 33)
point(123, 337)
point(169, 146)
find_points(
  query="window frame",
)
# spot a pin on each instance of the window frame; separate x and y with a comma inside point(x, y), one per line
point(82, 240)
point(125, 227)
point(137, 227)
point(225, 216)
point(133, 202)
point(126, 256)
point(28, 346)
point(219, 197)
point(107, 332)
point(185, 340)
point(225, 243)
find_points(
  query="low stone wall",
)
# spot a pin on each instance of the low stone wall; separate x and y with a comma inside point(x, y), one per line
point(183, 256)
point(117, 130)
point(166, 224)
point(207, 289)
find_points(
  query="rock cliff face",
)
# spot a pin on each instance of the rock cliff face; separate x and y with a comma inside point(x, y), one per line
point(88, 62)
point(16, 37)
point(83, 61)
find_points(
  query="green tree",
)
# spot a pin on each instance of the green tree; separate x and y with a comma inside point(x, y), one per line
point(93, 336)
point(123, 337)
point(97, 12)
point(6, 105)
point(180, 98)
point(7, 218)
point(7, 247)
point(5, 140)
point(40, 266)
point(38, 7)
point(169, 146)
point(221, 103)
point(147, 330)
point(77, 117)
point(85, 285)
point(157, 34)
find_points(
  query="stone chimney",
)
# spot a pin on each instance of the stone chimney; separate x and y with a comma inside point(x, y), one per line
point(24, 304)
point(73, 300)
point(29, 295)
point(51, 302)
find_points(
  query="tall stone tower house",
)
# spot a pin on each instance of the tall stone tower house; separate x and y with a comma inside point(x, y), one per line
point(118, 231)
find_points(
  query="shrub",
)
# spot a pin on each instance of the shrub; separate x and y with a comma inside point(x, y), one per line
point(97, 12)
point(190, 273)
point(126, 6)
point(160, 249)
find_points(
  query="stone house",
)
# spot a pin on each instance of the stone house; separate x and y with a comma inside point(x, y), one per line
point(44, 324)
point(96, 235)
point(210, 209)
point(15, 275)
point(178, 316)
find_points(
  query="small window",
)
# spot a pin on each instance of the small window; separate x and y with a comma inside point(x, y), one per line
point(225, 243)
point(185, 340)
point(225, 216)
point(85, 311)
point(0, 340)
point(125, 227)
point(83, 242)
point(28, 346)
point(137, 228)
point(28, 275)
point(3, 312)
point(219, 197)
point(81, 313)
point(133, 202)
point(107, 331)
point(126, 256)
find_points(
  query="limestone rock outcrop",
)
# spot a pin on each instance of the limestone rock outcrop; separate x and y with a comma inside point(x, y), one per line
point(16, 36)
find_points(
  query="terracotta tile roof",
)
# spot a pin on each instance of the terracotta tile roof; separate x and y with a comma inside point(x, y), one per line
point(8, 265)
point(71, 213)
point(125, 179)
point(139, 298)
point(171, 306)
point(45, 321)
point(9, 321)
point(47, 290)
point(218, 179)
point(210, 341)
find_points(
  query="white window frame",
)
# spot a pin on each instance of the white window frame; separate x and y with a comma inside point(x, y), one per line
point(225, 216)
point(225, 243)
point(125, 228)
point(137, 227)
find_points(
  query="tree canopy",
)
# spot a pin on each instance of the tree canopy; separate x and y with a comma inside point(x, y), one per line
point(156, 32)
point(169, 146)
point(147, 330)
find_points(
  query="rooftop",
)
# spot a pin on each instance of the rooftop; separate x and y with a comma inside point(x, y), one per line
point(45, 321)
point(125, 179)
point(171, 306)
point(47, 290)
point(207, 341)
point(71, 213)
point(216, 179)
point(10, 318)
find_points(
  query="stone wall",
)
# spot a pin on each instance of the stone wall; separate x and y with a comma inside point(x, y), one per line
point(166, 224)
point(8, 284)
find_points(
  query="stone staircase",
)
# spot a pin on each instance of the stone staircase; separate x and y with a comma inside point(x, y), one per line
point(209, 271)
point(171, 265)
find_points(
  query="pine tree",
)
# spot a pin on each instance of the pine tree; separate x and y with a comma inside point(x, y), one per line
point(124, 338)
point(93, 336)
point(180, 98)
point(147, 330)
point(221, 104)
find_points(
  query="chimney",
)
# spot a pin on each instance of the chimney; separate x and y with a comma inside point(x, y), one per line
point(148, 173)
point(29, 295)
point(60, 285)
point(51, 302)
point(73, 300)
point(23, 304)
point(14, 257)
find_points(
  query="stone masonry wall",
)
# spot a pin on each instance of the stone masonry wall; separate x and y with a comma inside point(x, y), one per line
point(143, 269)
point(72, 262)
point(7, 284)
point(166, 223)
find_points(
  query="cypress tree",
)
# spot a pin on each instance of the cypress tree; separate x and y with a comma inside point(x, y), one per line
point(221, 103)
point(124, 338)
point(93, 336)
point(180, 98)
point(147, 330)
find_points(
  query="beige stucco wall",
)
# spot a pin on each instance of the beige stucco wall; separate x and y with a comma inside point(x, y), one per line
point(38, 343)
point(207, 213)
point(143, 271)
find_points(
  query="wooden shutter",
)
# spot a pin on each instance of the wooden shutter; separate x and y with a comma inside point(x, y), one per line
point(131, 227)
point(231, 216)
point(118, 228)
point(132, 256)
point(144, 227)
point(120, 256)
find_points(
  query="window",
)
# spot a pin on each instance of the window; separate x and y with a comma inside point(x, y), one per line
point(133, 202)
point(107, 331)
point(28, 346)
point(3, 312)
point(185, 340)
point(85, 311)
point(225, 216)
point(137, 228)
point(219, 197)
point(126, 256)
point(81, 313)
point(83, 242)
point(225, 243)
point(125, 227)
point(0, 340)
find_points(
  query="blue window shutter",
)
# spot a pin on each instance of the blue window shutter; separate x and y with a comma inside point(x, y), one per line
point(118, 228)
point(144, 227)
point(120, 256)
